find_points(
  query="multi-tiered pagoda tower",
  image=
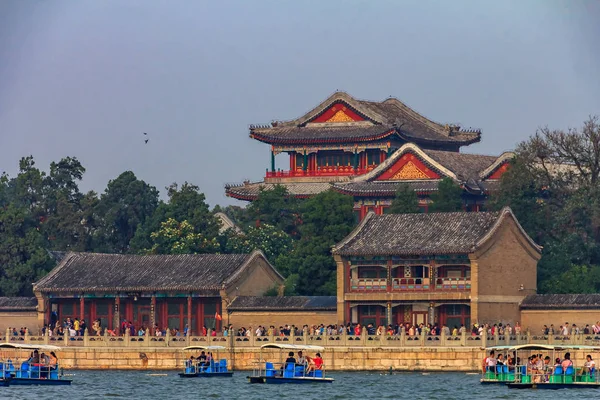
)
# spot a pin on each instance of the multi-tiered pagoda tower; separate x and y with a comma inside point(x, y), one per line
point(367, 149)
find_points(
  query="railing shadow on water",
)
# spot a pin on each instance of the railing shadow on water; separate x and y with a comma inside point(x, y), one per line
point(305, 338)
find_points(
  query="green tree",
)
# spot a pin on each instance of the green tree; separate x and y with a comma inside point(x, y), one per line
point(175, 237)
point(272, 241)
point(22, 254)
point(447, 198)
point(576, 279)
point(185, 203)
point(405, 201)
point(552, 186)
point(126, 204)
point(310, 269)
point(277, 208)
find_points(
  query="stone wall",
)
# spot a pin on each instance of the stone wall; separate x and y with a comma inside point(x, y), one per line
point(18, 319)
point(336, 359)
point(534, 320)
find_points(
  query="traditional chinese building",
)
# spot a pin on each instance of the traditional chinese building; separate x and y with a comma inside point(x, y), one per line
point(447, 268)
point(169, 290)
point(367, 149)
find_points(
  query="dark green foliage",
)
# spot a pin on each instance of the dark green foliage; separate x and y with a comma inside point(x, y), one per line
point(405, 202)
point(326, 219)
point(447, 198)
point(23, 258)
point(275, 207)
point(126, 204)
point(186, 203)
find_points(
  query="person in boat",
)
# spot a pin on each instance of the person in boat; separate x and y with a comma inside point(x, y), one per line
point(201, 359)
point(566, 362)
point(53, 361)
point(290, 359)
point(590, 365)
point(510, 362)
point(546, 369)
point(500, 360)
point(190, 362)
point(302, 360)
point(489, 362)
point(316, 363)
point(532, 369)
point(35, 357)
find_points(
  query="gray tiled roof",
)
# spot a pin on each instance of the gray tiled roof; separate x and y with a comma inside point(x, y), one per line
point(295, 135)
point(18, 303)
point(465, 166)
point(388, 115)
point(94, 272)
point(383, 188)
point(418, 234)
point(272, 303)
point(250, 191)
point(561, 301)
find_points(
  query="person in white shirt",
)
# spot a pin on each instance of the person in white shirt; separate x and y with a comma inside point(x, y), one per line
point(590, 364)
point(258, 331)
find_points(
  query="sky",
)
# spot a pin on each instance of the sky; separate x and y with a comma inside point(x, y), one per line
point(87, 78)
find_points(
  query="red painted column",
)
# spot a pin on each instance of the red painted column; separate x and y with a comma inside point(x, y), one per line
point(117, 317)
point(292, 162)
point(189, 312)
point(81, 308)
point(152, 314)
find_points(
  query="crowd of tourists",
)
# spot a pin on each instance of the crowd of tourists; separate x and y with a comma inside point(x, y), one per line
point(573, 329)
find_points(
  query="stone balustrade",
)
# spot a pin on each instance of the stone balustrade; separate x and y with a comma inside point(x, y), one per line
point(331, 341)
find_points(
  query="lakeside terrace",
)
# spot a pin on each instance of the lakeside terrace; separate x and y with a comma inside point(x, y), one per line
point(342, 340)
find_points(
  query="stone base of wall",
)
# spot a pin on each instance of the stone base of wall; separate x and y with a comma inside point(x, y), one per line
point(336, 359)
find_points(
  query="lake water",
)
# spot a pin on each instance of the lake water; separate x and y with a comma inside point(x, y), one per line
point(347, 385)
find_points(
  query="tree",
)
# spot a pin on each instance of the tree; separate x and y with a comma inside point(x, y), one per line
point(186, 203)
point(272, 241)
point(277, 208)
point(405, 202)
point(175, 237)
point(126, 204)
point(22, 254)
point(447, 198)
point(327, 218)
point(553, 188)
point(520, 191)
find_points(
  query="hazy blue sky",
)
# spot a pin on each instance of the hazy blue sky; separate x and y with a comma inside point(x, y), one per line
point(86, 78)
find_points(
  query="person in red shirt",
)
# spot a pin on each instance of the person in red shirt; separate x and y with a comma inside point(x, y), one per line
point(316, 363)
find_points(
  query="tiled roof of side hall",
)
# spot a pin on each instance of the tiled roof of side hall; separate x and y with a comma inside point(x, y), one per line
point(561, 301)
point(383, 188)
point(285, 303)
point(421, 234)
point(250, 191)
point(390, 116)
point(94, 272)
point(18, 304)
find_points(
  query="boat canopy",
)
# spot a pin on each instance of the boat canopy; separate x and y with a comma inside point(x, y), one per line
point(284, 346)
point(200, 347)
point(25, 346)
point(554, 347)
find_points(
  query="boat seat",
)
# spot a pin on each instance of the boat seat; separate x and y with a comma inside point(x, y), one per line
point(319, 373)
point(505, 369)
point(288, 372)
point(569, 375)
point(269, 369)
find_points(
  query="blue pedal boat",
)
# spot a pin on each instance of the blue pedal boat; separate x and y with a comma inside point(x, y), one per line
point(26, 373)
point(215, 368)
point(281, 372)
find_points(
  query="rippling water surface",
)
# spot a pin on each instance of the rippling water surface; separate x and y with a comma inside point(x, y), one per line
point(347, 385)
